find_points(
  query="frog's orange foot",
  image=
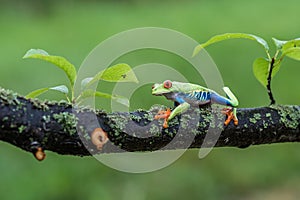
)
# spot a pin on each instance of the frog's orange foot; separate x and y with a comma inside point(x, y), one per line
point(99, 138)
point(230, 116)
point(163, 114)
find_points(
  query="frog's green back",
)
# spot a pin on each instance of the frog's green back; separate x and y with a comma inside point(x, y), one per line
point(187, 87)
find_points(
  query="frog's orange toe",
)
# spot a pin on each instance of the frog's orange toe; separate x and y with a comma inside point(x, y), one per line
point(230, 116)
point(165, 125)
point(163, 114)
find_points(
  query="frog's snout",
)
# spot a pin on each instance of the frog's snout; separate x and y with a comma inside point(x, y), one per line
point(154, 89)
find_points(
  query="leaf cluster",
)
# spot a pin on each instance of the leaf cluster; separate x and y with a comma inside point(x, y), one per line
point(264, 68)
point(118, 73)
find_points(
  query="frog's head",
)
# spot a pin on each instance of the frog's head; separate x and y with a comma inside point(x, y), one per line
point(163, 88)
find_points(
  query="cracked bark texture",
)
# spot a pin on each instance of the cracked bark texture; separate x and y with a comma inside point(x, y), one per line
point(66, 129)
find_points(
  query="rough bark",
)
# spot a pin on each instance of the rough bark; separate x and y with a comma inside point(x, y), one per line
point(62, 128)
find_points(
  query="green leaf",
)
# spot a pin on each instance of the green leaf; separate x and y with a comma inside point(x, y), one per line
point(61, 88)
point(293, 52)
point(117, 73)
point(59, 61)
point(291, 44)
point(85, 82)
point(91, 93)
point(291, 49)
point(278, 43)
point(227, 36)
point(38, 92)
point(261, 70)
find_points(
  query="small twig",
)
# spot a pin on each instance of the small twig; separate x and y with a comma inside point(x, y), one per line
point(269, 82)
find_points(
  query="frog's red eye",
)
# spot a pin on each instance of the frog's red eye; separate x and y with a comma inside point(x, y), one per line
point(167, 84)
point(153, 86)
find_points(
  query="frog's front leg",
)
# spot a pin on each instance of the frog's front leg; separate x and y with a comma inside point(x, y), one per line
point(179, 109)
point(168, 115)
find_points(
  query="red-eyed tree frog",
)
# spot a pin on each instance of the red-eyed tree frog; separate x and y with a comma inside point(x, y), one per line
point(187, 94)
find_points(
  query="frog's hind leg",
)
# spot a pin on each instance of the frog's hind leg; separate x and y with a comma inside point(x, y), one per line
point(232, 102)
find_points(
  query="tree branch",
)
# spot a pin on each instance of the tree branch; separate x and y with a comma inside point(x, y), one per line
point(33, 125)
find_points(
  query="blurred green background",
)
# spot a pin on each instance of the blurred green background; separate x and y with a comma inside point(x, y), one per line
point(73, 28)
